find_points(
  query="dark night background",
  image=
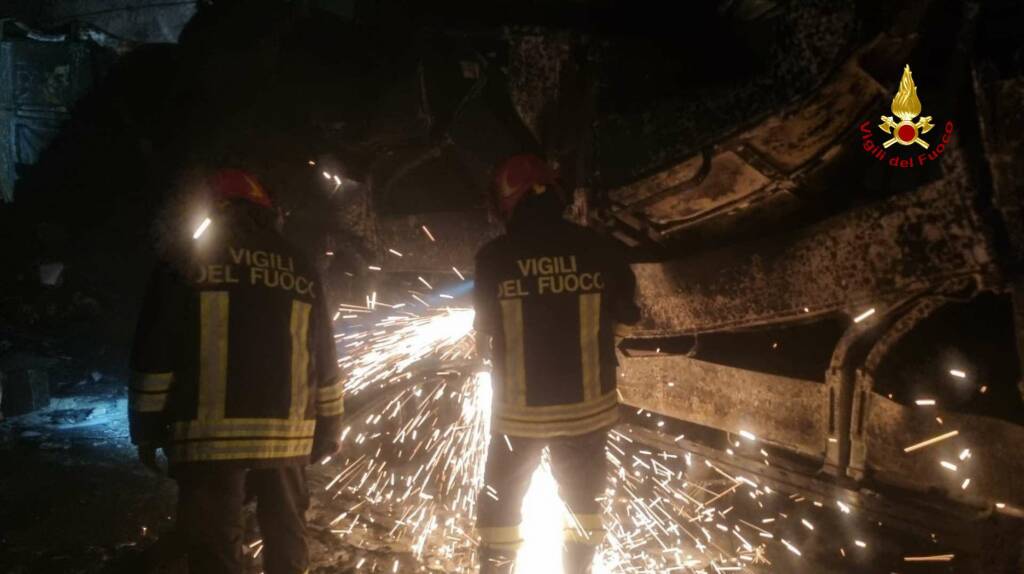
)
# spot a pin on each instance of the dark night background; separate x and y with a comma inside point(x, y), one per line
point(111, 112)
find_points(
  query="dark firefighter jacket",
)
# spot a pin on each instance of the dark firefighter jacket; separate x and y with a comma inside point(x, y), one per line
point(549, 294)
point(234, 361)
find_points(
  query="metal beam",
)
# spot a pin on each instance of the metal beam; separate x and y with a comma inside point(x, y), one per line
point(879, 252)
point(790, 413)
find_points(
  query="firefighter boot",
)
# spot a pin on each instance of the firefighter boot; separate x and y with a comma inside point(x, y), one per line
point(494, 561)
point(578, 558)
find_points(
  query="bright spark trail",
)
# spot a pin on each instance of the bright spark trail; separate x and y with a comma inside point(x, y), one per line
point(416, 454)
point(413, 457)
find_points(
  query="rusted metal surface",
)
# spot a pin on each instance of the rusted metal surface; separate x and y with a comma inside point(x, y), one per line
point(792, 138)
point(536, 61)
point(861, 383)
point(787, 412)
point(730, 180)
point(890, 427)
point(750, 167)
point(849, 262)
point(457, 237)
point(1001, 119)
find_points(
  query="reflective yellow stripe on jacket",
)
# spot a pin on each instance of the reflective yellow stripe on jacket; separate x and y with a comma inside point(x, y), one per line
point(330, 401)
point(212, 436)
point(511, 413)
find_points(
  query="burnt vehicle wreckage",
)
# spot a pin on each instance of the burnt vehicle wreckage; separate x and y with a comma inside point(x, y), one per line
point(865, 322)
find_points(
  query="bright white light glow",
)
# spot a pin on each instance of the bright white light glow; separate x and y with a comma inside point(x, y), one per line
point(202, 228)
point(925, 402)
point(543, 516)
point(747, 435)
point(864, 315)
point(958, 373)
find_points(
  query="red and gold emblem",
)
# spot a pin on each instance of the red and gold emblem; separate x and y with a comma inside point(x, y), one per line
point(906, 106)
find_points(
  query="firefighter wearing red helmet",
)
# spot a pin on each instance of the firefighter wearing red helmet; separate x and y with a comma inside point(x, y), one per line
point(548, 297)
point(235, 378)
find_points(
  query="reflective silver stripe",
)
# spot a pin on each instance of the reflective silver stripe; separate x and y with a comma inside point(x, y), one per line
point(500, 537)
point(270, 428)
point(598, 421)
point(331, 409)
point(300, 359)
point(330, 401)
point(151, 382)
point(584, 528)
point(213, 354)
point(331, 393)
point(146, 402)
point(239, 449)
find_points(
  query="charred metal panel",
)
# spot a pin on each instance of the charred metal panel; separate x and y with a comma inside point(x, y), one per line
point(875, 253)
point(890, 427)
point(787, 412)
point(791, 139)
point(667, 179)
point(730, 180)
point(1001, 119)
point(457, 236)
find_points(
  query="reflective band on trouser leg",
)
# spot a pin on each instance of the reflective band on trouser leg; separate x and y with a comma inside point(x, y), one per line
point(585, 529)
point(500, 537)
point(148, 392)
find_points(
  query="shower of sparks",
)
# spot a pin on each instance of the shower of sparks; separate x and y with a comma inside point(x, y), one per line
point(415, 449)
point(416, 452)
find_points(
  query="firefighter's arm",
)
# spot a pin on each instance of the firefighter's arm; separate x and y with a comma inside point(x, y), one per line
point(330, 397)
point(153, 355)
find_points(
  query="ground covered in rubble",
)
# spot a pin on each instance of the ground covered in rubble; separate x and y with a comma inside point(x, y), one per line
point(73, 499)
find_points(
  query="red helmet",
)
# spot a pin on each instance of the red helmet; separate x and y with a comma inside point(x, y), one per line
point(231, 184)
point(516, 178)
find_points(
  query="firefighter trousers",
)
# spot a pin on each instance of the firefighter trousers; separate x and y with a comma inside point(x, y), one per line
point(578, 464)
point(210, 519)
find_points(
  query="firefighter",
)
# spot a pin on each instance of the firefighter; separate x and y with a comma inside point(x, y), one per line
point(548, 297)
point(235, 378)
